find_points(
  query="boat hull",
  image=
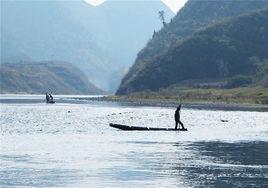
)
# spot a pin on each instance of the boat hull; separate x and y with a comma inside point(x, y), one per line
point(50, 102)
point(134, 128)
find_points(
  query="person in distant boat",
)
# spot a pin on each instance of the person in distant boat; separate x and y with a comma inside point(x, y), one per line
point(50, 97)
point(177, 118)
point(47, 97)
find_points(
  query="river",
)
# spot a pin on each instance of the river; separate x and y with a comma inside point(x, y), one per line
point(70, 144)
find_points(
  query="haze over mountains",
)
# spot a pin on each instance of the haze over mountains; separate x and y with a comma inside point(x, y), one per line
point(101, 41)
point(55, 77)
point(205, 40)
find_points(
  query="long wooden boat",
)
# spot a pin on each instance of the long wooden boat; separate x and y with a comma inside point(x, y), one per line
point(134, 128)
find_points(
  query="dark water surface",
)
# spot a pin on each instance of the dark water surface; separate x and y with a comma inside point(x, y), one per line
point(70, 144)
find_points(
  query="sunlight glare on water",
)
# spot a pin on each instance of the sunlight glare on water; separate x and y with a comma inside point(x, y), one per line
point(72, 145)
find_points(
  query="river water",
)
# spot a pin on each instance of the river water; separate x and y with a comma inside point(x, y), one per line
point(70, 144)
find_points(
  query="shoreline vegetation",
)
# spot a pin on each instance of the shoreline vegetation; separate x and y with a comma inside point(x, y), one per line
point(247, 98)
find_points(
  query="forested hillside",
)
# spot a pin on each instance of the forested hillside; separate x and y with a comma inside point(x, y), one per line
point(42, 77)
point(206, 40)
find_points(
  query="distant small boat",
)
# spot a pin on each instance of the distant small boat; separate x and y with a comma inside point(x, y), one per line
point(49, 98)
point(50, 102)
point(134, 128)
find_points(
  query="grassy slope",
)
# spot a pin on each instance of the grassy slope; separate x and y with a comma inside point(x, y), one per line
point(246, 95)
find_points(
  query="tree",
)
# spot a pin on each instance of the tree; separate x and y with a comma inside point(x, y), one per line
point(162, 16)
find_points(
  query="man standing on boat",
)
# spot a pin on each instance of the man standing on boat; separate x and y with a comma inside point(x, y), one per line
point(50, 97)
point(177, 118)
point(47, 97)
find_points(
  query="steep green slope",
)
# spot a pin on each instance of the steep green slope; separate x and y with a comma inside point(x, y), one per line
point(220, 51)
point(41, 77)
point(193, 17)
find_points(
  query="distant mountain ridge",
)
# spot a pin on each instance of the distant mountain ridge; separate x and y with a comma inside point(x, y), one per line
point(44, 31)
point(182, 50)
point(42, 77)
point(121, 29)
point(101, 41)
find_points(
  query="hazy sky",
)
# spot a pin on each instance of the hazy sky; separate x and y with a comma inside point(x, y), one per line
point(174, 5)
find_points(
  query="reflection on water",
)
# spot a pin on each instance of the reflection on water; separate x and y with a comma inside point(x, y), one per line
point(218, 164)
point(19, 177)
point(71, 145)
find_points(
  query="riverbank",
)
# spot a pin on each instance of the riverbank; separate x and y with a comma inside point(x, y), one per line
point(167, 102)
point(242, 95)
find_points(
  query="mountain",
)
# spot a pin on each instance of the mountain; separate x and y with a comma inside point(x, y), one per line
point(121, 28)
point(43, 31)
point(41, 77)
point(197, 43)
point(101, 41)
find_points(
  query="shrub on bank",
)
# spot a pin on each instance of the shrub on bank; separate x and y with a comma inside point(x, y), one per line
point(238, 81)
